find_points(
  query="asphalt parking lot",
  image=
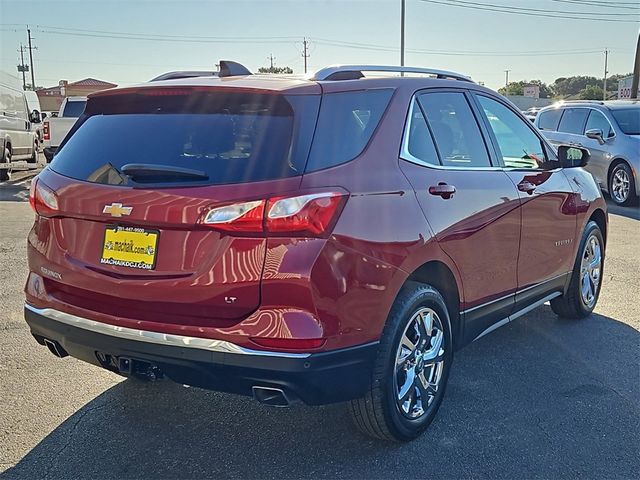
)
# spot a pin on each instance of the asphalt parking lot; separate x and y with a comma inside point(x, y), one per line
point(538, 398)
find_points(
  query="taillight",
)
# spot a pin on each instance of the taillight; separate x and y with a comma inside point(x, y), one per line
point(42, 199)
point(45, 131)
point(239, 217)
point(310, 215)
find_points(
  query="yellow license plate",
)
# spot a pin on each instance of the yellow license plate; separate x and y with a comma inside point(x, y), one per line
point(131, 247)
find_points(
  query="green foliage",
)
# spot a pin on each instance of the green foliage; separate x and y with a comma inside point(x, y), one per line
point(517, 88)
point(591, 92)
point(275, 70)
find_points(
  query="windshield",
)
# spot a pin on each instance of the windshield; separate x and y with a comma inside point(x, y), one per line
point(239, 139)
point(628, 120)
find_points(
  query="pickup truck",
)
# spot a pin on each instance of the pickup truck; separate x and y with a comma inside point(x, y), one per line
point(56, 128)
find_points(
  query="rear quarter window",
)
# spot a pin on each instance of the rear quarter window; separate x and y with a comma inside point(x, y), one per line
point(549, 119)
point(345, 125)
point(74, 108)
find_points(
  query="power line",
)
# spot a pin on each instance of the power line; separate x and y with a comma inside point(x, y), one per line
point(512, 10)
point(595, 3)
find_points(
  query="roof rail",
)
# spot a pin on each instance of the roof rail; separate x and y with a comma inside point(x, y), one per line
point(350, 72)
point(599, 102)
point(183, 74)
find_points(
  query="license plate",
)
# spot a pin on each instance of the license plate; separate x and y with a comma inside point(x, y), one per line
point(131, 247)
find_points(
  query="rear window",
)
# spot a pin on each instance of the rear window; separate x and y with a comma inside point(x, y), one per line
point(222, 137)
point(549, 119)
point(346, 123)
point(573, 120)
point(74, 108)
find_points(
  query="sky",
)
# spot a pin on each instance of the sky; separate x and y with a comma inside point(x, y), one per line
point(131, 41)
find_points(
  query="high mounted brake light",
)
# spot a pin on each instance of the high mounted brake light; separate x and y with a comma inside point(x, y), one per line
point(310, 215)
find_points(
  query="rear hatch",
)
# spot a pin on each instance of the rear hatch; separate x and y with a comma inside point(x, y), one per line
point(134, 183)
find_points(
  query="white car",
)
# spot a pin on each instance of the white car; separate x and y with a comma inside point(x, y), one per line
point(17, 140)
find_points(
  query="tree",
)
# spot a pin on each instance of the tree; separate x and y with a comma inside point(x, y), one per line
point(591, 92)
point(517, 88)
point(568, 86)
point(275, 70)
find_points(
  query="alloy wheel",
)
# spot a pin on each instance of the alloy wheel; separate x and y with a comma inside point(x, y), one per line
point(419, 363)
point(620, 185)
point(590, 270)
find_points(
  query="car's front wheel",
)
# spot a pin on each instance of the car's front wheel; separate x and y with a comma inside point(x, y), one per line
point(586, 279)
point(411, 369)
point(5, 173)
point(622, 186)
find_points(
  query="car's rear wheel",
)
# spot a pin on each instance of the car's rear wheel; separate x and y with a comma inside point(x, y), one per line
point(5, 173)
point(586, 279)
point(411, 369)
point(622, 186)
point(34, 156)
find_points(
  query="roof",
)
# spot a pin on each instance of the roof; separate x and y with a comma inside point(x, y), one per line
point(618, 104)
point(92, 82)
point(608, 104)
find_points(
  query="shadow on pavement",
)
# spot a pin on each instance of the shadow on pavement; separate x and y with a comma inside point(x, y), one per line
point(630, 212)
point(14, 193)
point(539, 398)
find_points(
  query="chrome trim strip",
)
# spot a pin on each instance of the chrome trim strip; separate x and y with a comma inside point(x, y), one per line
point(519, 313)
point(326, 72)
point(208, 344)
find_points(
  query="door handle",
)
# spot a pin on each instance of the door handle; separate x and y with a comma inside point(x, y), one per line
point(442, 190)
point(526, 187)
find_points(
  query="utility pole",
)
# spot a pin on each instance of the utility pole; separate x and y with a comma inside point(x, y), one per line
point(506, 78)
point(305, 53)
point(271, 59)
point(636, 72)
point(31, 49)
point(402, 16)
point(23, 68)
point(606, 58)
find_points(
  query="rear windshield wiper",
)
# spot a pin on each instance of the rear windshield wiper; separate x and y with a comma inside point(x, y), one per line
point(150, 170)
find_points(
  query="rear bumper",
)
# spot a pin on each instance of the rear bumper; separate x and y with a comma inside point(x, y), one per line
point(314, 378)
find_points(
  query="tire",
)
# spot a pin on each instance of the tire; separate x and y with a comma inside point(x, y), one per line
point(573, 303)
point(34, 157)
point(622, 185)
point(5, 174)
point(379, 414)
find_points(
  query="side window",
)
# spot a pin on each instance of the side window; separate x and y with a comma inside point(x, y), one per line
point(345, 124)
point(455, 130)
point(573, 120)
point(519, 146)
point(420, 143)
point(549, 119)
point(597, 121)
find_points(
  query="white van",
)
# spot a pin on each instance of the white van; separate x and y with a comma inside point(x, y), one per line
point(17, 141)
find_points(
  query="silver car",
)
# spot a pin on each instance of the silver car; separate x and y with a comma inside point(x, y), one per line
point(611, 132)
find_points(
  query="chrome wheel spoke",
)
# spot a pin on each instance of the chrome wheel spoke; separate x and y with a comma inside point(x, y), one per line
point(435, 353)
point(408, 386)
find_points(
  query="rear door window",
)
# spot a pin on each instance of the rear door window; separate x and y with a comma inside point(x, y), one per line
point(219, 138)
point(573, 120)
point(345, 125)
point(455, 129)
point(549, 119)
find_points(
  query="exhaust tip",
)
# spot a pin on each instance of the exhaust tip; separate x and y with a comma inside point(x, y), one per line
point(55, 348)
point(273, 397)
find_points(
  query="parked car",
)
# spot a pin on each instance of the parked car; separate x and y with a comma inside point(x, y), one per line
point(17, 141)
point(55, 128)
point(611, 132)
point(326, 239)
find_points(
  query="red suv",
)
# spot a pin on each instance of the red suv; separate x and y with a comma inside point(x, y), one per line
point(325, 239)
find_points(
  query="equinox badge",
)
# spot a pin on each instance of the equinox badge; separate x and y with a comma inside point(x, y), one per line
point(116, 210)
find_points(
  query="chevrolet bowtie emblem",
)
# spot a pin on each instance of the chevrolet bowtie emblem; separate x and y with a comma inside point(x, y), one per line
point(116, 210)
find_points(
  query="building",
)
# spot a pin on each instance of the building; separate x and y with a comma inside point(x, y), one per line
point(51, 98)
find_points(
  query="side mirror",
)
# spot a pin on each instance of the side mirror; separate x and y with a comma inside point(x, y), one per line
point(595, 134)
point(34, 117)
point(44, 115)
point(571, 156)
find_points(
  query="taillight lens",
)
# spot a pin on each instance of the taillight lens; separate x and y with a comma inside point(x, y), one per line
point(239, 217)
point(310, 215)
point(42, 199)
point(45, 131)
